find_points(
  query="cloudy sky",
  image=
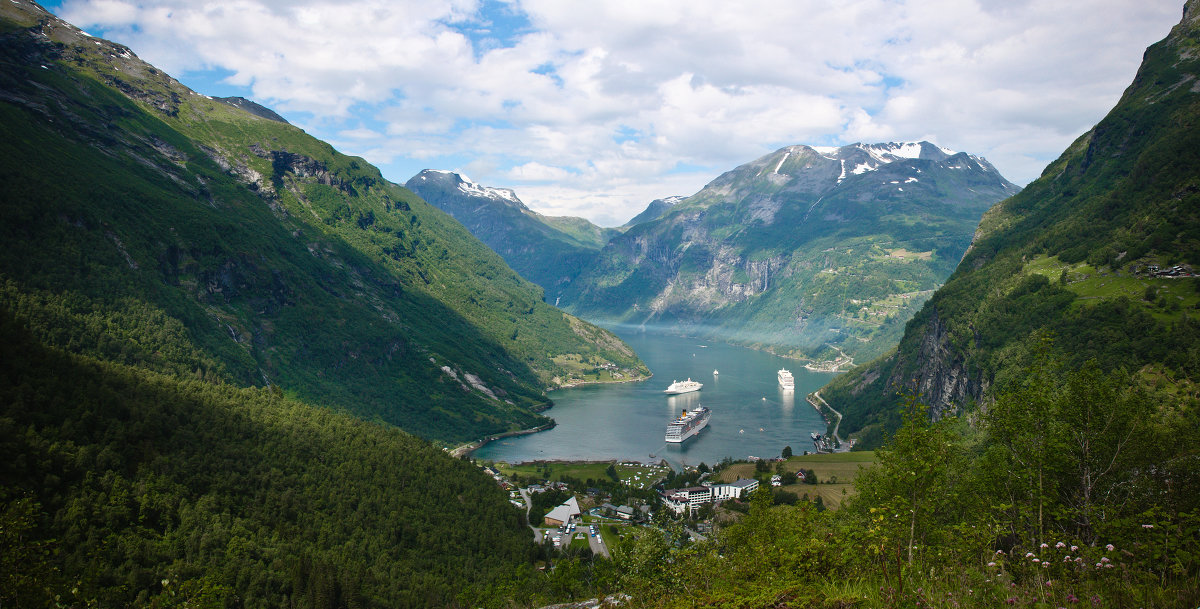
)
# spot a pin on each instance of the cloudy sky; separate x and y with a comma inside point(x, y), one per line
point(594, 108)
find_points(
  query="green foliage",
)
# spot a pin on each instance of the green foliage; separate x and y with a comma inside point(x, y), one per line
point(949, 514)
point(126, 487)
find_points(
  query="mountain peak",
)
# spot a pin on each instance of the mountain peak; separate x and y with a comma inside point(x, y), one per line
point(464, 184)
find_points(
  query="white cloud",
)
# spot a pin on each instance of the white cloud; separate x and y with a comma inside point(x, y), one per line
point(600, 102)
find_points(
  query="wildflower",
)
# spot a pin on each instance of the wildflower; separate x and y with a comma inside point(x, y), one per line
point(1074, 548)
point(1036, 560)
point(1109, 547)
point(1079, 559)
point(991, 564)
point(1012, 601)
point(1044, 546)
point(1147, 526)
point(1060, 545)
point(1044, 565)
point(1104, 559)
point(999, 552)
point(1108, 566)
point(1029, 555)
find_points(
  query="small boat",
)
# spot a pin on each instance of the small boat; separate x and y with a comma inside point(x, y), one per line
point(715, 372)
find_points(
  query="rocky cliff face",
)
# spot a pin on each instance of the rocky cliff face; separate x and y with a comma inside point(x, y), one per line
point(814, 252)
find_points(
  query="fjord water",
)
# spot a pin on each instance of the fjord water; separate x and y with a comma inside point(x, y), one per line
point(751, 415)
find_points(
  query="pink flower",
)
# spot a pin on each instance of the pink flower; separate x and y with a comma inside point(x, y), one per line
point(1036, 560)
point(1104, 559)
point(1044, 565)
point(999, 552)
point(1108, 566)
point(1060, 545)
point(1067, 559)
point(1044, 546)
point(1147, 526)
point(991, 564)
point(1109, 547)
point(1074, 548)
point(1029, 555)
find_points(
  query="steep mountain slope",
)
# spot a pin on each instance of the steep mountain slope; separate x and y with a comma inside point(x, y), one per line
point(1098, 252)
point(814, 252)
point(153, 226)
point(121, 487)
point(546, 250)
point(653, 211)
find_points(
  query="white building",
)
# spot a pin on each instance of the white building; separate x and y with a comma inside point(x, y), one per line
point(734, 490)
point(562, 514)
point(687, 498)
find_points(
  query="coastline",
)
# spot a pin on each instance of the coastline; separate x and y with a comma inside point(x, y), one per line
point(584, 383)
point(471, 447)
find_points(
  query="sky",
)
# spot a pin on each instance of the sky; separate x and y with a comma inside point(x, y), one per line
point(594, 109)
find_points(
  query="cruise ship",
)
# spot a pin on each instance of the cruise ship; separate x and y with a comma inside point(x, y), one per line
point(785, 380)
point(688, 424)
point(687, 386)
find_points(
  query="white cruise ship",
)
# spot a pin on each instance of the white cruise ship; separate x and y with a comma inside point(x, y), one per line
point(688, 424)
point(785, 380)
point(687, 386)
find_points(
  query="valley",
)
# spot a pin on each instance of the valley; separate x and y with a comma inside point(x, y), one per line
point(241, 368)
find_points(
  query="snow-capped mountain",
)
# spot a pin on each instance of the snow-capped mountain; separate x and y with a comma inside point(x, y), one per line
point(547, 250)
point(809, 248)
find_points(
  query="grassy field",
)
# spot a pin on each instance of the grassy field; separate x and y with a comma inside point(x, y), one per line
point(633, 476)
point(1090, 283)
point(842, 467)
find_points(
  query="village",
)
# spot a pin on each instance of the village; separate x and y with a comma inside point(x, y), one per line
point(590, 506)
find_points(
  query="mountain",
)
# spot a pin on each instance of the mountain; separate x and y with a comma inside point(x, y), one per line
point(547, 250)
point(149, 225)
point(655, 209)
point(813, 252)
point(1096, 258)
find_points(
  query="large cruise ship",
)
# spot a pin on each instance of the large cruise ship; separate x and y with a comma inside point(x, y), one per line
point(785, 380)
point(688, 424)
point(687, 386)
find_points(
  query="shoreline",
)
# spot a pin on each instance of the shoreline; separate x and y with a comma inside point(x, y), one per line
point(585, 383)
point(470, 447)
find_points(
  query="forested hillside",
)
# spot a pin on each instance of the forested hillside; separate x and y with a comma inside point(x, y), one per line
point(151, 225)
point(1100, 254)
point(126, 487)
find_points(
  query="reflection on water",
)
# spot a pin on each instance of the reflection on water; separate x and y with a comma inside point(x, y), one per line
point(751, 414)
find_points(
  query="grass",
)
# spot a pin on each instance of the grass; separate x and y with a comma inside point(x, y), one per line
point(843, 467)
point(1093, 284)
